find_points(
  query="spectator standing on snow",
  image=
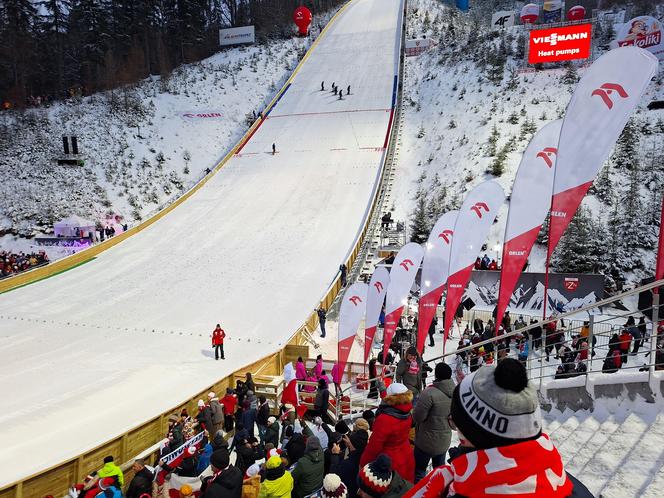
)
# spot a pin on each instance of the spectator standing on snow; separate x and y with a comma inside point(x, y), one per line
point(217, 410)
point(322, 316)
point(336, 379)
point(322, 86)
point(511, 422)
point(409, 371)
point(141, 483)
point(391, 431)
point(230, 402)
point(348, 90)
point(635, 332)
point(218, 336)
point(308, 472)
point(274, 149)
point(111, 470)
point(625, 341)
point(322, 401)
point(432, 432)
point(343, 271)
point(432, 331)
point(226, 479)
point(204, 418)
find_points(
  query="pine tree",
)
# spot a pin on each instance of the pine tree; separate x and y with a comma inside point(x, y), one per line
point(572, 254)
point(419, 225)
point(626, 153)
point(492, 144)
point(498, 164)
point(571, 77)
point(603, 186)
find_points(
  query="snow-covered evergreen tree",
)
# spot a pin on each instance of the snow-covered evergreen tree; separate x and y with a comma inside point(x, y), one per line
point(626, 153)
point(419, 226)
point(572, 254)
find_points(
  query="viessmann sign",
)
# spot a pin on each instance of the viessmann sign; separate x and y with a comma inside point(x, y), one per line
point(560, 44)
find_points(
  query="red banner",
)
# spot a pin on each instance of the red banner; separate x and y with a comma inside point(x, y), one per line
point(560, 44)
point(659, 271)
point(380, 280)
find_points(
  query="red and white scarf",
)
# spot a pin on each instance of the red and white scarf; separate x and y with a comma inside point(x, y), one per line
point(528, 469)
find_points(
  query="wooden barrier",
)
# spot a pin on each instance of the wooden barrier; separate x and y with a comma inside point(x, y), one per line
point(57, 479)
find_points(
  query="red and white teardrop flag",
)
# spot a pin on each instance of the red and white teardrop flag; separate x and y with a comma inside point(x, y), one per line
point(529, 204)
point(602, 103)
point(402, 277)
point(435, 266)
point(378, 284)
point(353, 309)
point(477, 214)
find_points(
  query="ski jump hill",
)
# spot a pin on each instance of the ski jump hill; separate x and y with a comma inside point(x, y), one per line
point(98, 349)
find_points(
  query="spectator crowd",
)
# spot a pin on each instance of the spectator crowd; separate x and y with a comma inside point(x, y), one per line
point(13, 263)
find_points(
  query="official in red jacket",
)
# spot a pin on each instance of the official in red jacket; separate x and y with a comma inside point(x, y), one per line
point(218, 335)
point(391, 430)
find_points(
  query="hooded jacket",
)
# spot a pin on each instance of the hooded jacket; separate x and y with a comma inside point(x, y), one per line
point(308, 473)
point(111, 470)
point(278, 483)
point(390, 435)
point(432, 432)
point(398, 487)
point(226, 484)
point(413, 381)
point(272, 434)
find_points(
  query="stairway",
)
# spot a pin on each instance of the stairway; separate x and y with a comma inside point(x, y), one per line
point(616, 455)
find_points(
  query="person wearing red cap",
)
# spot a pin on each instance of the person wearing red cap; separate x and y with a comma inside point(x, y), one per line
point(218, 336)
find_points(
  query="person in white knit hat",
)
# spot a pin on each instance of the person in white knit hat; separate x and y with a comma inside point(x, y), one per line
point(333, 487)
point(391, 430)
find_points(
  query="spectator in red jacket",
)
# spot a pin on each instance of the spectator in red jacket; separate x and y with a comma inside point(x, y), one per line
point(391, 430)
point(230, 403)
point(625, 339)
point(218, 342)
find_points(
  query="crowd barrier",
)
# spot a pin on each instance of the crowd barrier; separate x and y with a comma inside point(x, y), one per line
point(142, 440)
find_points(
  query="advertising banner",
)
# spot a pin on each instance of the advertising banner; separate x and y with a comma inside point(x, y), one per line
point(234, 36)
point(353, 308)
point(602, 102)
point(402, 276)
point(477, 214)
point(416, 46)
point(434, 273)
point(659, 268)
point(380, 280)
point(560, 44)
point(567, 292)
point(643, 32)
point(503, 19)
point(529, 204)
point(206, 115)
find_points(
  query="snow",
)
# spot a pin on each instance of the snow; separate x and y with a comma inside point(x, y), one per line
point(103, 347)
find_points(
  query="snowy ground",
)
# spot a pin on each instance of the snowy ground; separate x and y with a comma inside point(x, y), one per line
point(94, 351)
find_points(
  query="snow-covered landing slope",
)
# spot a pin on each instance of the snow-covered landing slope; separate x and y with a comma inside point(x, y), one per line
point(103, 347)
point(616, 451)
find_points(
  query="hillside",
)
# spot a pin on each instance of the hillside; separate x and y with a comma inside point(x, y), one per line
point(140, 151)
point(470, 110)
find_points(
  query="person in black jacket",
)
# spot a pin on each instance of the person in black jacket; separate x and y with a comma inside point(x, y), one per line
point(322, 401)
point(262, 414)
point(189, 465)
point(204, 418)
point(142, 480)
point(226, 480)
point(247, 453)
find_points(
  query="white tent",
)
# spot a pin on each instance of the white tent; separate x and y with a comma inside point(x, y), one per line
point(69, 227)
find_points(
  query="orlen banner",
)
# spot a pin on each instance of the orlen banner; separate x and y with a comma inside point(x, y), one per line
point(434, 273)
point(378, 284)
point(234, 36)
point(477, 214)
point(560, 44)
point(353, 309)
point(644, 32)
point(603, 101)
point(402, 276)
point(659, 266)
point(529, 204)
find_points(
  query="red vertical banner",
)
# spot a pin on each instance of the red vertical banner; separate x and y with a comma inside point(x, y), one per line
point(380, 280)
point(353, 308)
point(529, 204)
point(434, 273)
point(659, 269)
point(477, 214)
point(402, 276)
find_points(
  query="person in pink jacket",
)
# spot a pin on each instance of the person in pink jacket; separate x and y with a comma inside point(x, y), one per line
point(318, 369)
point(336, 378)
point(300, 369)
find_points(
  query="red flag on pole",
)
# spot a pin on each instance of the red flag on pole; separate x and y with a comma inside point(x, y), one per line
point(402, 277)
point(434, 273)
point(529, 204)
point(659, 269)
point(477, 214)
point(353, 308)
point(602, 103)
point(380, 280)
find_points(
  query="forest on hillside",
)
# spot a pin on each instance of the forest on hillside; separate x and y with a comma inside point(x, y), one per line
point(51, 49)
